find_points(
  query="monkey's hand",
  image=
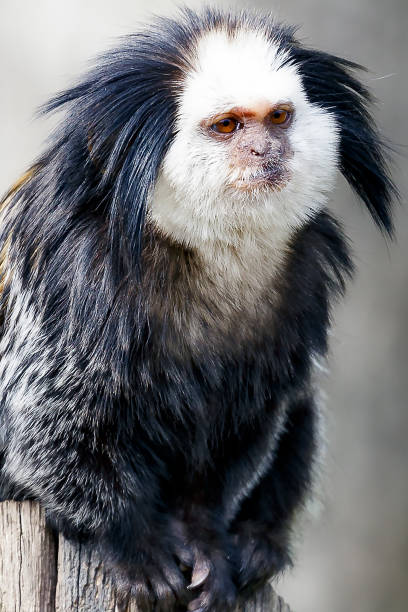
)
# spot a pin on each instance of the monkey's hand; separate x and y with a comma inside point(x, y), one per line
point(260, 553)
point(151, 575)
point(206, 555)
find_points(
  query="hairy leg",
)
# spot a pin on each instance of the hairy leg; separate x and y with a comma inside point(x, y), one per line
point(96, 487)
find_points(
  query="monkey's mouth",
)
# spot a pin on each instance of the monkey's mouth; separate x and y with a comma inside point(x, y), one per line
point(271, 177)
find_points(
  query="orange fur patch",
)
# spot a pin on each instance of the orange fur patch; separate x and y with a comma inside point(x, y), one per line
point(4, 203)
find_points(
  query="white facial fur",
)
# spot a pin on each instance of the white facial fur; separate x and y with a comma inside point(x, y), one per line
point(193, 201)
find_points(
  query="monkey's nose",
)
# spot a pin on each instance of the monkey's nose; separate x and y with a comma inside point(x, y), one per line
point(257, 153)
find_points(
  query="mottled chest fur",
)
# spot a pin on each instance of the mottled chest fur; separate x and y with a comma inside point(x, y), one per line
point(220, 299)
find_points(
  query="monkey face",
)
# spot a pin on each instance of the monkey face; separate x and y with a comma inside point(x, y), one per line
point(249, 147)
point(258, 144)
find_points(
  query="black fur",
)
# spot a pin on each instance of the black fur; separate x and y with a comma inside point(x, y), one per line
point(156, 453)
point(329, 82)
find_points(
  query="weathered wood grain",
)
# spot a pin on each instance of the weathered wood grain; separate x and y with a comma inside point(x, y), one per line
point(41, 572)
point(82, 584)
point(27, 559)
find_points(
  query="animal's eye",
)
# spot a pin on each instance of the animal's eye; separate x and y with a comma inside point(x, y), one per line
point(225, 126)
point(280, 116)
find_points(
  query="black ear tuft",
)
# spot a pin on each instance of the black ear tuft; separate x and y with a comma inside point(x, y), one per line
point(329, 81)
point(123, 113)
point(122, 117)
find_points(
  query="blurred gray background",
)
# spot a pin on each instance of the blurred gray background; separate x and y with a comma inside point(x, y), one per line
point(354, 556)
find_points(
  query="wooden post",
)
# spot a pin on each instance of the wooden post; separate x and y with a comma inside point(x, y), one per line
point(43, 572)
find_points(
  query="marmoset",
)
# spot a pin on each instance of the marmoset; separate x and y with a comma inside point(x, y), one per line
point(168, 267)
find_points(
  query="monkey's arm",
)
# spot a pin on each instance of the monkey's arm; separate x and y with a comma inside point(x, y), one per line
point(262, 527)
point(221, 520)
